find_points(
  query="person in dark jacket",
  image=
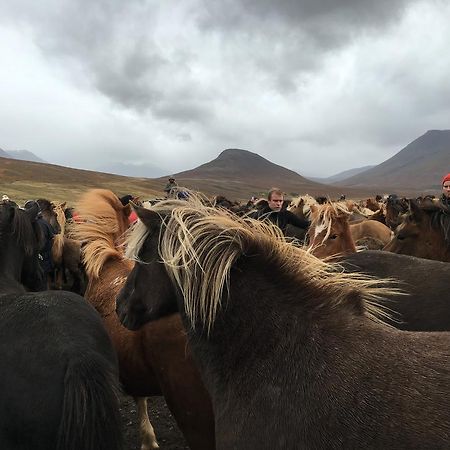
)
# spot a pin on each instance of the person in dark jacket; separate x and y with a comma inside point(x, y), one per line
point(445, 199)
point(278, 216)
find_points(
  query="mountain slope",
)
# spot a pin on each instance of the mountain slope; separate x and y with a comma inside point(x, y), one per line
point(419, 166)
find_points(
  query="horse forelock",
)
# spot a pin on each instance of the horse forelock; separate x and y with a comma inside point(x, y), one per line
point(199, 245)
point(324, 217)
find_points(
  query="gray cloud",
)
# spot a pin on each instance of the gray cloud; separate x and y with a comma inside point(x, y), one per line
point(147, 78)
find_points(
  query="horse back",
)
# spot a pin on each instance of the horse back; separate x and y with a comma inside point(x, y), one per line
point(53, 347)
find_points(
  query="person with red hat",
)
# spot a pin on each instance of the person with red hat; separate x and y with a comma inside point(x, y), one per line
point(446, 190)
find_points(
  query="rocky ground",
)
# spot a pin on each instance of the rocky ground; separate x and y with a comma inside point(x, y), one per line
point(168, 435)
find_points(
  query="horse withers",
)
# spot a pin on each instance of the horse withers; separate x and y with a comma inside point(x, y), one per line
point(58, 372)
point(289, 347)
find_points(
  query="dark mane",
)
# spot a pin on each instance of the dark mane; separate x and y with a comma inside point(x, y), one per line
point(27, 234)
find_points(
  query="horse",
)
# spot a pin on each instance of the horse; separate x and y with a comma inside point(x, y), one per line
point(331, 234)
point(426, 307)
point(156, 360)
point(395, 208)
point(66, 255)
point(48, 213)
point(424, 232)
point(289, 347)
point(59, 376)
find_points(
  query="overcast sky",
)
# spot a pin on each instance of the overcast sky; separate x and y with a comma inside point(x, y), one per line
point(318, 86)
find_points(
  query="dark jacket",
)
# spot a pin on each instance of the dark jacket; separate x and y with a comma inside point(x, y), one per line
point(281, 218)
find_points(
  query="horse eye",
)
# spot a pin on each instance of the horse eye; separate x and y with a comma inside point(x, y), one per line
point(333, 236)
point(400, 237)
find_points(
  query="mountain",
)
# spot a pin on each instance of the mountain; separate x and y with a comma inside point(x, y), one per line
point(24, 155)
point(341, 175)
point(238, 173)
point(3, 154)
point(417, 167)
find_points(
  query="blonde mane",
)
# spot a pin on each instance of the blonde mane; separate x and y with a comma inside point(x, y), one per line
point(324, 215)
point(103, 222)
point(58, 239)
point(199, 245)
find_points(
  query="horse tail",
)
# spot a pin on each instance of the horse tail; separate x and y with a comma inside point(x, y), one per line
point(90, 413)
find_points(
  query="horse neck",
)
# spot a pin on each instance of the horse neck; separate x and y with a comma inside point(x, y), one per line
point(11, 264)
point(265, 317)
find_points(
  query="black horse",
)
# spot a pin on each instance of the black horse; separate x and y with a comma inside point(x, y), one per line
point(58, 371)
point(427, 305)
point(289, 349)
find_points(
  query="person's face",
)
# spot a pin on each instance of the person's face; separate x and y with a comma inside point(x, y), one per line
point(446, 189)
point(276, 202)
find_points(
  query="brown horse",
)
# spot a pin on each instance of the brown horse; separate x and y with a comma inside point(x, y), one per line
point(331, 234)
point(424, 232)
point(289, 347)
point(66, 254)
point(156, 360)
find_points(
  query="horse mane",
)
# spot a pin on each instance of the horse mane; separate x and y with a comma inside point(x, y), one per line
point(325, 215)
point(103, 222)
point(199, 245)
point(58, 239)
point(27, 233)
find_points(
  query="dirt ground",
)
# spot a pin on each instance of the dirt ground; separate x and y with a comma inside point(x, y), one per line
point(167, 432)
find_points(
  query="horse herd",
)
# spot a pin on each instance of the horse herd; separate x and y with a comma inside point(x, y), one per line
point(255, 341)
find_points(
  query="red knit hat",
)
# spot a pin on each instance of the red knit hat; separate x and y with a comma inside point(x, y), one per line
point(446, 178)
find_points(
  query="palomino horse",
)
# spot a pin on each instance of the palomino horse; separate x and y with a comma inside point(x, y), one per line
point(330, 233)
point(424, 232)
point(66, 254)
point(427, 305)
point(289, 348)
point(58, 376)
point(155, 360)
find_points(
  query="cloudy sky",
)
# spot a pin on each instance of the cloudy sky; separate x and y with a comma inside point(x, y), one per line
point(317, 86)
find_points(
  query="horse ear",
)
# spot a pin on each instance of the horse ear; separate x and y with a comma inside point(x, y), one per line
point(151, 219)
point(63, 205)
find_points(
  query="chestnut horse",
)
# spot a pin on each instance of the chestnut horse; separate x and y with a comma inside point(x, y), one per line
point(331, 234)
point(58, 371)
point(66, 255)
point(424, 231)
point(289, 347)
point(156, 360)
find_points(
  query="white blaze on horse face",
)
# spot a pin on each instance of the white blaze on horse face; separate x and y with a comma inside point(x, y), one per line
point(319, 229)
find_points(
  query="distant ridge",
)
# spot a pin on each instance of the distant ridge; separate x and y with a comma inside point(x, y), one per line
point(341, 175)
point(419, 166)
point(24, 155)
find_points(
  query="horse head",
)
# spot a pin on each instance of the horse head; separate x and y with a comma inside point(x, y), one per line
point(424, 232)
point(48, 213)
point(136, 304)
point(329, 233)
